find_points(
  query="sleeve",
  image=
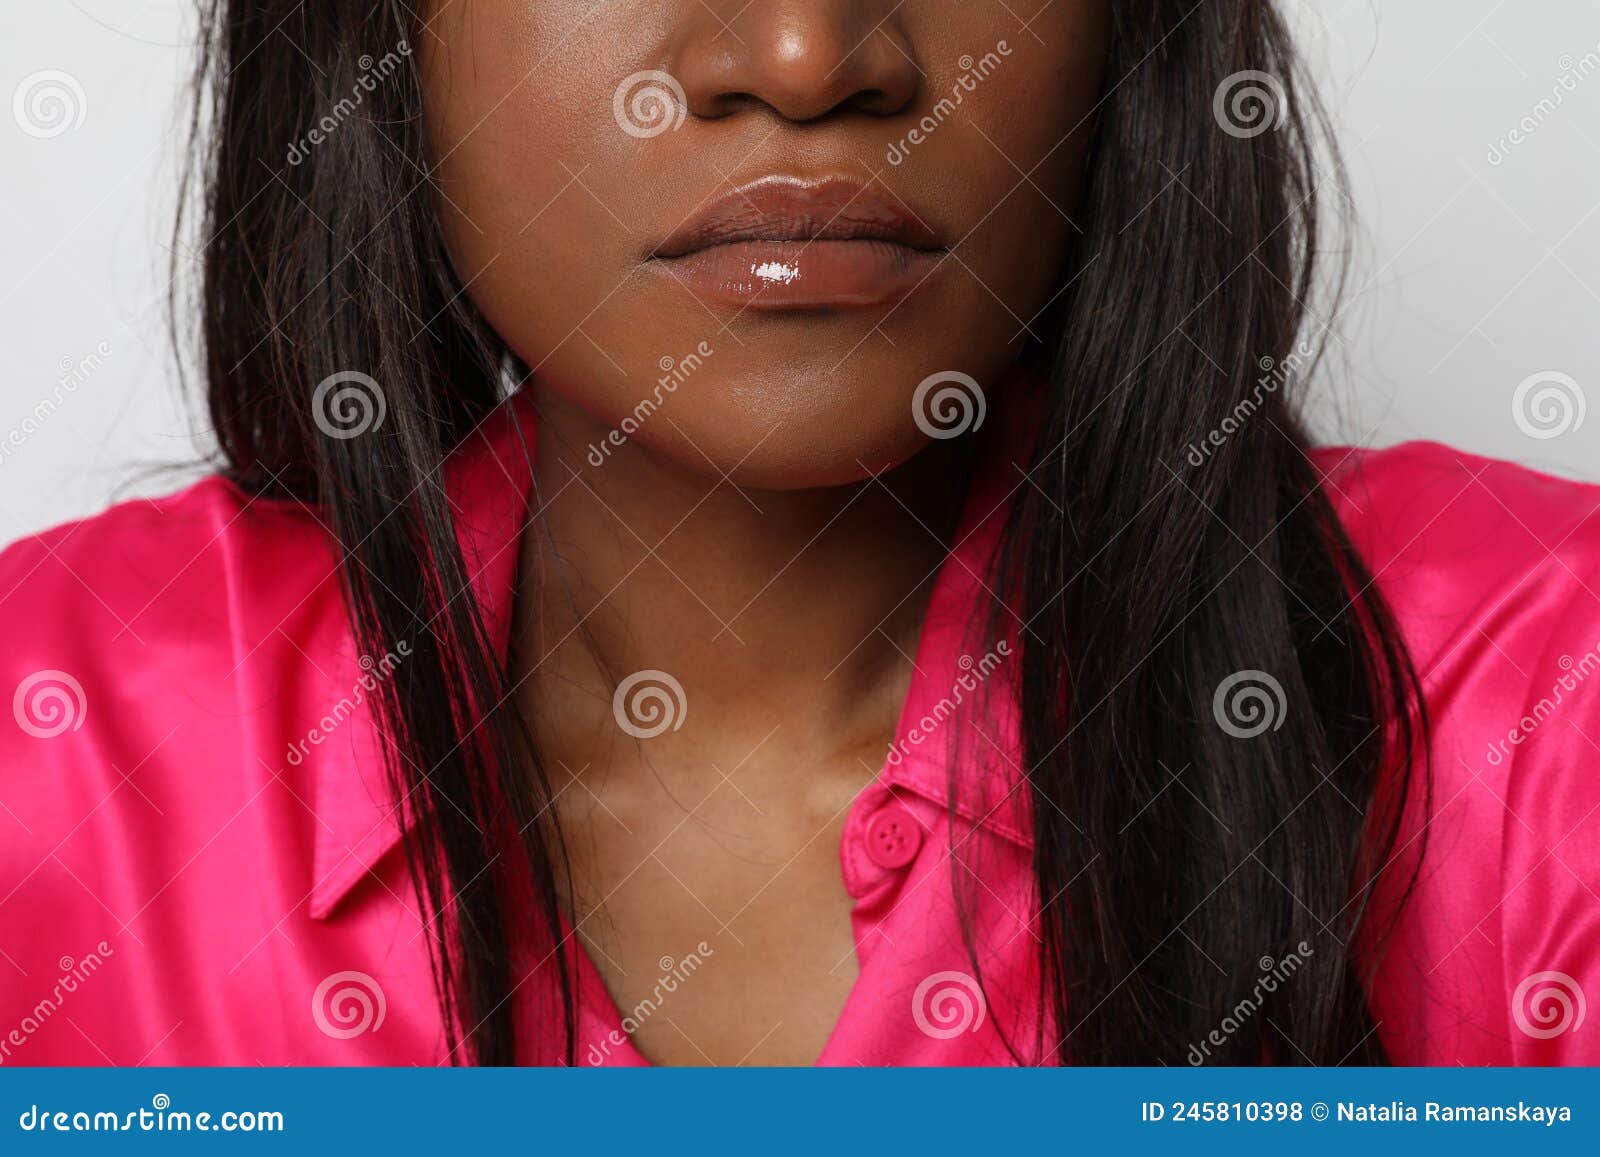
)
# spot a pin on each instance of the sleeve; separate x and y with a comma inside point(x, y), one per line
point(1491, 918)
point(1550, 864)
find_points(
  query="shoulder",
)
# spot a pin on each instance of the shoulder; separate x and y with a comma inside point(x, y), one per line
point(1492, 572)
point(150, 580)
point(151, 539)
point(1456, 541)
point(147, 651)
point(1487, 565)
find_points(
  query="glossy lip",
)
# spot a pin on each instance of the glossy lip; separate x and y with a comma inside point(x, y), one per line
point(782, 243)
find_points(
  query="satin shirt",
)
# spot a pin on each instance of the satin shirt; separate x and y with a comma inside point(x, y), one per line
point(200, 862)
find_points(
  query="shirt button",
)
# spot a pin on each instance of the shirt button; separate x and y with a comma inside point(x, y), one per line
point(893, 837)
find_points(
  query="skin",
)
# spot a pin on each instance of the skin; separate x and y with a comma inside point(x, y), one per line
point(769, 535)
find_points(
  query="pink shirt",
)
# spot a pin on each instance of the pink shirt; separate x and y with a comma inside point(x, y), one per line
point(199, 865)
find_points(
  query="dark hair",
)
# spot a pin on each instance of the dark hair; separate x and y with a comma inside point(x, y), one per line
point(1171, 855)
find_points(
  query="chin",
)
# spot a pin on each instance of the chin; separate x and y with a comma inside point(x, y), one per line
point(829, 452)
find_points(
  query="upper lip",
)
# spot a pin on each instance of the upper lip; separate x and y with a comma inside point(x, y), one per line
point(794, 209)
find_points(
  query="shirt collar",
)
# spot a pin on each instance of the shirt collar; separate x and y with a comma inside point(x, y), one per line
point(488, 481)
point(957, 743)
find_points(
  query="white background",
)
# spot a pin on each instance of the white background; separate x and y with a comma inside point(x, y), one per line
point(1469, 276)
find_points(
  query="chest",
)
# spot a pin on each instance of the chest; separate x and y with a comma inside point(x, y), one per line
point(722, 933)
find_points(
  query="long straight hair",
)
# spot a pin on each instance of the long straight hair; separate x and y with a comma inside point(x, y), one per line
point(1171, 853)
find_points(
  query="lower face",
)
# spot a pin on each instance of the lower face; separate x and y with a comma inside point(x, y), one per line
point(768, 222)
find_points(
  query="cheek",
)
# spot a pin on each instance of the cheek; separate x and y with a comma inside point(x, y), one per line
point(546, 202)
point(1012, 125)
point(532, 180)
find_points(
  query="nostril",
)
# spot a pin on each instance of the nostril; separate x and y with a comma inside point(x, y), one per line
point(729, 103)
point(873, 100)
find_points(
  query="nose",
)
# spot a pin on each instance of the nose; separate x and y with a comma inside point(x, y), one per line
point(801, 59)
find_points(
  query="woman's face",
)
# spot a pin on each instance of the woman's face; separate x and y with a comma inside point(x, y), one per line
point(769, 221)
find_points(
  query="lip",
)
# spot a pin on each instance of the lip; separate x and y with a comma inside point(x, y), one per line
point(782, 243)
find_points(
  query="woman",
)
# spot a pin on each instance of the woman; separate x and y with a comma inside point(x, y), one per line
point(897, 618)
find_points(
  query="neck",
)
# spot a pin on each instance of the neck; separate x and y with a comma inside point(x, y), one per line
point(770, 608)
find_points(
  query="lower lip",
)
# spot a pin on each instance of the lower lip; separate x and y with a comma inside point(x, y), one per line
point(791, 275)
